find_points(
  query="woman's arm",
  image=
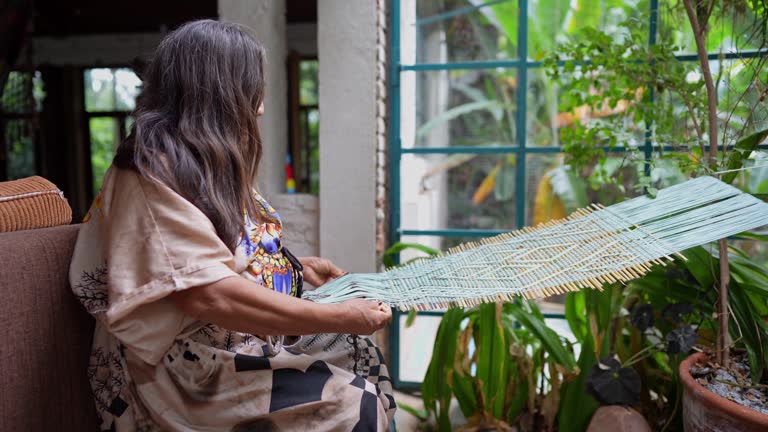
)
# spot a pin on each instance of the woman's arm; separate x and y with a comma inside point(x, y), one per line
point(238, 304)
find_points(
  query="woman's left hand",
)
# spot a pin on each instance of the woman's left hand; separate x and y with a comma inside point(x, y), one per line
point(319, 271)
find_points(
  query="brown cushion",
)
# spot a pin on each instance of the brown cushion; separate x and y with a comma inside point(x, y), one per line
point(46, 335)
point(32, 203)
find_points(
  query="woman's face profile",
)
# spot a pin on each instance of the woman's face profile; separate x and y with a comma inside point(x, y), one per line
point(260, 111)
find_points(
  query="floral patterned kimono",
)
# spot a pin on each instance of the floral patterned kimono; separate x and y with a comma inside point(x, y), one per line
point(153, 368)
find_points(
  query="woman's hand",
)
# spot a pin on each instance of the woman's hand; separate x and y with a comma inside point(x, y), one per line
point(319, 271)
point(363, 317)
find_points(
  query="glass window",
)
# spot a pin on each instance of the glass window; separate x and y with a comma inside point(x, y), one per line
point(110, 97)
point(20, 105)
point(305, 126)
point(479, 128)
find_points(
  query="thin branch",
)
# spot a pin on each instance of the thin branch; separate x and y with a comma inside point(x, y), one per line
point(708, 14)
point(730, 115)
point(696, 126)
point(701, 50)
point(723, 307)
point(723, 351)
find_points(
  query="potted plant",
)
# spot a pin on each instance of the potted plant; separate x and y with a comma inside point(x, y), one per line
point(717, 146)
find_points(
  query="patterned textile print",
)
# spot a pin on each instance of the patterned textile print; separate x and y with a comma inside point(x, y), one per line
point(357, 354)
point(262, 246)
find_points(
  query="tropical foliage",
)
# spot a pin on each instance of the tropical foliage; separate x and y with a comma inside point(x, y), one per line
point(604, 92)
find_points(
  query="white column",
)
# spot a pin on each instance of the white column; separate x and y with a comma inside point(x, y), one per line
point(347, 55)
point(266, 18)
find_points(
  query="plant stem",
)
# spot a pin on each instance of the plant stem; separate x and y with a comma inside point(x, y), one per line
point(700, 34)
point(701, 51)
point(639, 355)
point(723, 352)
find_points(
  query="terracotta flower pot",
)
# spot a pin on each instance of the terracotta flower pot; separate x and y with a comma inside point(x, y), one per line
point(704, 411)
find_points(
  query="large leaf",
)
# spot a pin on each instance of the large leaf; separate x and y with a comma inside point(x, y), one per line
point(746, 328)
point(492, 358)
point(570, 187)
point(465, 392)
point(504, 188)
point(436, 390)
point(388, 258)
point(702, 266)
point(576, 314)
point(546, 204)
point(743, 149)
point(577, 407)
point(495, 107)
point(549, 339)
point(487, 185)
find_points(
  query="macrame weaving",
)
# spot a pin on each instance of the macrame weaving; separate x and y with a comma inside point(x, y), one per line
point(587, 249)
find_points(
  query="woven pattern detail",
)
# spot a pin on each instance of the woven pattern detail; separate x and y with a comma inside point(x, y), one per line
point(31, 203)
point(587, 249)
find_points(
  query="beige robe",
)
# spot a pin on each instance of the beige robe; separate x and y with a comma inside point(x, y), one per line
point(154, 368)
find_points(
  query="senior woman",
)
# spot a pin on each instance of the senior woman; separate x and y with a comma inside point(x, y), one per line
point(181, 264)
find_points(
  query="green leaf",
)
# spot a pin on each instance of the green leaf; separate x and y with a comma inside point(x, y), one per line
point(702, 266)
point(495, 107)
point(492, 357)
point(743, 149)
point(576, 406)
point(466, 396)
point(576, 314)
point(752, 236)
point(519, 399)
point(500, 366)
point(389, 254)
point(504, 187)
point(539, 329)
point(418, 413)
point(745, 327)
point(571, 188)
point(435, 390)
point(410, 318)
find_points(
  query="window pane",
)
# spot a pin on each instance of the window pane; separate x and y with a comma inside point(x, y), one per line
point(127, 87)
point(553, 191)
point(128, 125)
point(308, 82)
point(739, 86)
point(99, 90)
point(456, 31)
point(104, 133)
point(19, 138)
point(552, 114)
point(729, 31)
point(458, 108)
point(553, 22)
point(457, 191)
point(441, 244)
point(416, 344)
point(23, 93)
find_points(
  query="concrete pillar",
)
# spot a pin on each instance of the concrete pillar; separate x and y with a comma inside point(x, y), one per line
point(266, 18)
point(347, 52)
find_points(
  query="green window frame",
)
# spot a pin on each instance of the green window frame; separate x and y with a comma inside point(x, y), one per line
point(522, 64)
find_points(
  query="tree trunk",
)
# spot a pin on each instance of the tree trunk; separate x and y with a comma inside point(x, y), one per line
point(700, 34)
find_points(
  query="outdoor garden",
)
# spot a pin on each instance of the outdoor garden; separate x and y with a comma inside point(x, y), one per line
point(526, 111)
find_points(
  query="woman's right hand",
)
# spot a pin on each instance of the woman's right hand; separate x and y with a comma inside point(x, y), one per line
point(363, 317)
